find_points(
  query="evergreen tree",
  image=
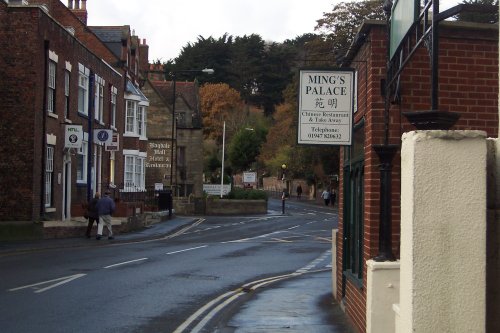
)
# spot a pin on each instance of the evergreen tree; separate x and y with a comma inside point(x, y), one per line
point(486, 15)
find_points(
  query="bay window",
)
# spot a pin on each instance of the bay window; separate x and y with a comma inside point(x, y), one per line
point(134, 175)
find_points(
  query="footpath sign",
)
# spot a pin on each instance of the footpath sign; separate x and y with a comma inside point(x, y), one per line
point(326, 106)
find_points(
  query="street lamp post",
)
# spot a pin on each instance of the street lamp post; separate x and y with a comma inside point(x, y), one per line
point(284, 192)
point(222, 169)
point(173, 74)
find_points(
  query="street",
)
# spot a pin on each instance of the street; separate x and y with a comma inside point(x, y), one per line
point(178, 283)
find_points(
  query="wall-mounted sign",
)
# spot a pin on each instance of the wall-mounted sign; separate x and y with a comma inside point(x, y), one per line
point(103, 136)
point(326, 105)
point(159, 155)
point(73, 136)
point(114, 144)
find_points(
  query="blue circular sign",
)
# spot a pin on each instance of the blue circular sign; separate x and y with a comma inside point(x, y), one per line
point(102, 136)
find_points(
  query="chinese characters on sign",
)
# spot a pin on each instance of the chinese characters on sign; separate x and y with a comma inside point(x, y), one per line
point(326, 107)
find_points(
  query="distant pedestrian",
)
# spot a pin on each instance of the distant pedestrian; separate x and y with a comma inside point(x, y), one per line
point(333, 197)
point(299, 192)
point(326, 196)
point(106, 208)
point(92, 214)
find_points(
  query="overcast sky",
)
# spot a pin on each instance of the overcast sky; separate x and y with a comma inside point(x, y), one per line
point(169, 25)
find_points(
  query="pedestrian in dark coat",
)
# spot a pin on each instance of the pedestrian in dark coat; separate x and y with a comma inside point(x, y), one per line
point(92, 213)
point(333, 197)
point(106, 208)
point(299, 191)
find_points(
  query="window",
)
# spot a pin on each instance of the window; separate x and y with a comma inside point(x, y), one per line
point(66, 93)
point(49, 175)
point(134, 173)
point(139, 173)
point(113, 107)
point(130, 117)
point(135, 121)
point(129, 173)
point(81, 171)
point(99, 99)
point(141, 124)
point(51, 87)
point(353, 205)
point(83, 93)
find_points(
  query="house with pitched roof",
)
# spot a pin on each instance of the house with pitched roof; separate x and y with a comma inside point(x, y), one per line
point(57, 92)
point(75, 79)
point(175, 152)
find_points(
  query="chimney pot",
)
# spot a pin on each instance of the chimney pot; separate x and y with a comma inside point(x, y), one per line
point(70, 4)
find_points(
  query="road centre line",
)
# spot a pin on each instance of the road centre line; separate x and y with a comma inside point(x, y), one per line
point(126, 262)
point(190, 249)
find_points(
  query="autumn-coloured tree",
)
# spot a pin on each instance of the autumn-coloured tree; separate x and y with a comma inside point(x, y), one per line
point(219, 102)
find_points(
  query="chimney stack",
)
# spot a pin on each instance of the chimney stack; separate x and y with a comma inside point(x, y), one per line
point(143, 55)
point(79, 11)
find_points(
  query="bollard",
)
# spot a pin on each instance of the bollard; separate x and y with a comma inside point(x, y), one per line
point(283, 197)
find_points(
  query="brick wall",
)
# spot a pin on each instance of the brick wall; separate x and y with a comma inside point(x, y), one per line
point(21, 79)
point(23, 110)
point(468, 84)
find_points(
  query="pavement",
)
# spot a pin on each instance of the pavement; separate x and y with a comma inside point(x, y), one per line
point(303, 303)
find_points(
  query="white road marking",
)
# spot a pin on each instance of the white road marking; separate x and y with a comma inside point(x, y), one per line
point(214, 311)
point(225, 299)
point(62, 281)
point(126, 262)
point(190, 249)
point(257, 237)
point(201, 310)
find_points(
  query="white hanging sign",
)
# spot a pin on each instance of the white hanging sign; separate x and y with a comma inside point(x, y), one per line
point(326, 105)
point(73, 136)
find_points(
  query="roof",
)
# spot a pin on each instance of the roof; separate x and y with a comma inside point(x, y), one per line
point(112, 36)
point(131, 89)
point(188, 91)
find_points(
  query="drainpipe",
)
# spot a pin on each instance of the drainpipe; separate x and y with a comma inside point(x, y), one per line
point(386, 153)
point(44, 129)
point(91, 136)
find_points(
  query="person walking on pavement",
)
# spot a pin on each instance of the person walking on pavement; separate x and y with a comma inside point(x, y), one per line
point(333, 197)
point(106, 208)
point(92, 214)
point(299, 191)
point(326, 196)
